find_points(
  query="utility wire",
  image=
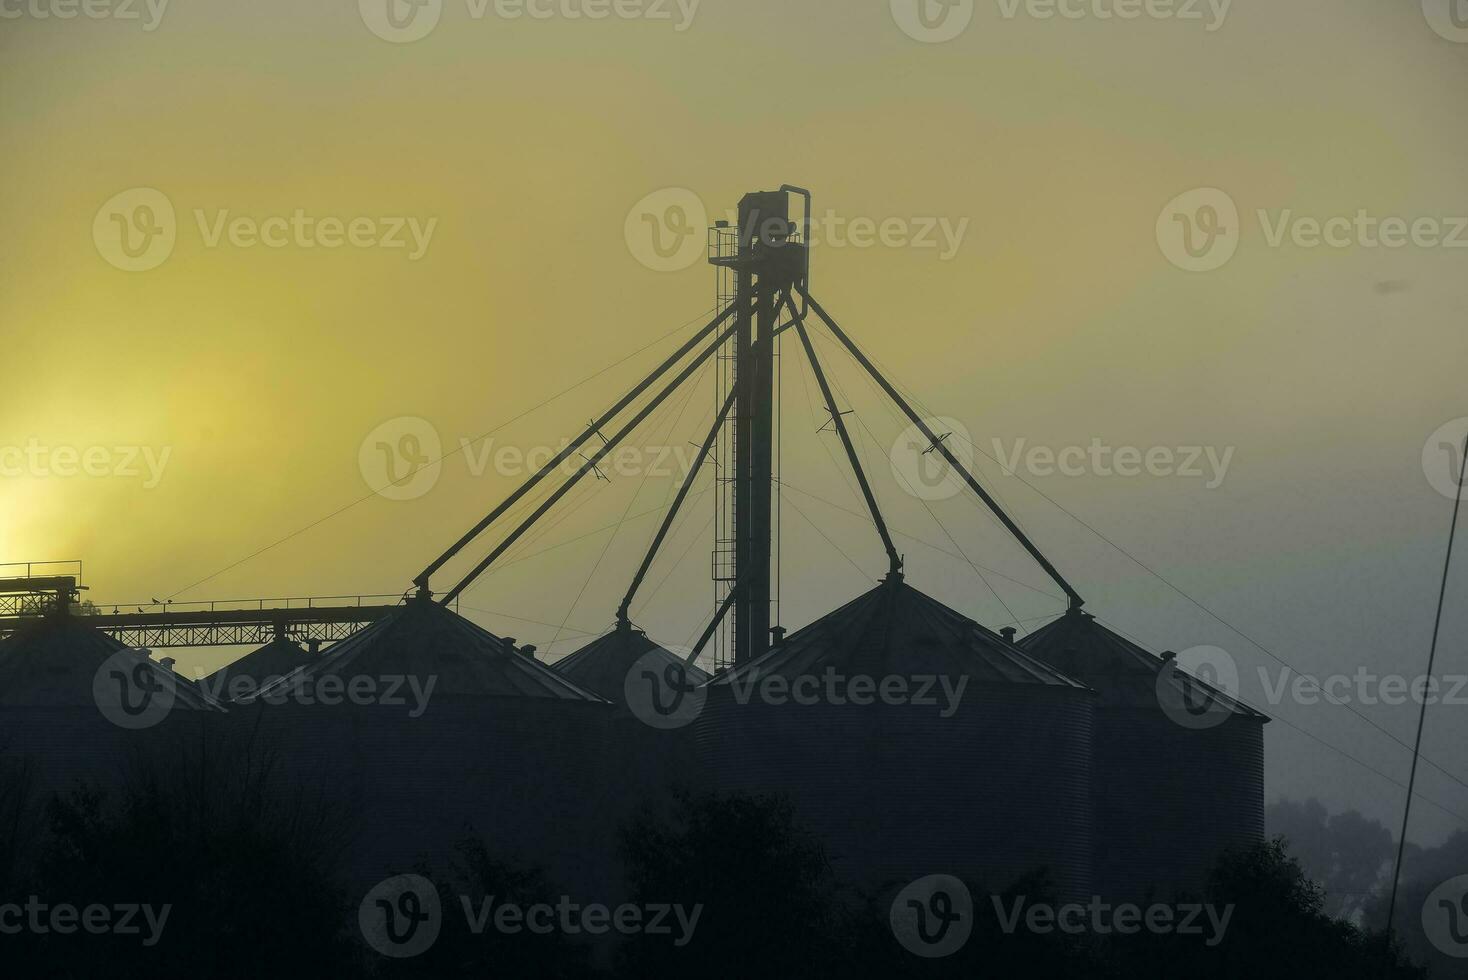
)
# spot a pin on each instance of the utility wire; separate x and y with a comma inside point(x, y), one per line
point(922, 541)
point(1442, 596)
point(1159, 577)
point(1308, 734)
point(462, 446)
point(646, 473)
point(882, 400)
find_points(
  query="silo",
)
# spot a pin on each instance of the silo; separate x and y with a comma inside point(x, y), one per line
point(77, 706)
point(915, 742)
point(424, 724)
point(604, 664)
point(1173, 790)
point(649, 742)
point(255, 670)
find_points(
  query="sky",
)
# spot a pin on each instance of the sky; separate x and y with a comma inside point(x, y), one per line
point(252, 256)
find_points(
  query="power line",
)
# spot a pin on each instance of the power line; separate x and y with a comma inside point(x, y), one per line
point(833, 544)
point(1308, 734)
point(462, 446)
point(646, 473)
point(926, 507)
point(1437, 623)
point(912, 537)
point(1152, 572)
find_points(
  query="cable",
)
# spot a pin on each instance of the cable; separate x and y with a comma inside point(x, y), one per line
point(1146, 568)
point(647, 472)
point(1442, 597)
point(833, 544)
point(643, 604)
point(927, 544)
point(913, 493)
point(522, 619)
point(454, 452)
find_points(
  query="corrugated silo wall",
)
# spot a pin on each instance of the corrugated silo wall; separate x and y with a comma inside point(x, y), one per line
point(1000, 790)
point(71, 746)
point(1170, 801)
point(643, 766)
point(523, 773)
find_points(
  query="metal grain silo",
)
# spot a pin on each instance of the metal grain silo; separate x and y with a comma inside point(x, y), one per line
point(256, 670)
point(991, 785)
point(648, 750)
point(78, 706)
point(1170, 797)
point(603, 666)
point(450, 726)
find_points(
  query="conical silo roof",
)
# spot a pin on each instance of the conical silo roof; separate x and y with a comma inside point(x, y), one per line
point(277, 658)
point(602, 665)
point(893, 630)
point(421, 638)
point(54, 661)
point(1123, 674)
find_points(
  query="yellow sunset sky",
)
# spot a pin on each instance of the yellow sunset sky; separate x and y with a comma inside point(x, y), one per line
point(1053, 144)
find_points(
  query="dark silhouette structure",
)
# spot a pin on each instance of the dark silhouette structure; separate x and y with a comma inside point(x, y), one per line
point(1169, 799)
point(910, 739)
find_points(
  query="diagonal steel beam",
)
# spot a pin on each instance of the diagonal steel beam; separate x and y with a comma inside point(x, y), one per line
point(588, 466)
point(657, 542)
point(894, 561)
point(594, 429)
point(1075, 598)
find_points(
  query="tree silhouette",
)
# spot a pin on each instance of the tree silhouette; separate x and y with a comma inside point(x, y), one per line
point(1347, 853)
point(246, 870)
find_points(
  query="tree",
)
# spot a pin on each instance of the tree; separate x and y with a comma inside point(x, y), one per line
point(1347, 853)
point(1278, 930)
point(1423, 870)
point(769, 901)
point(487, 882)
point(245, 870)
